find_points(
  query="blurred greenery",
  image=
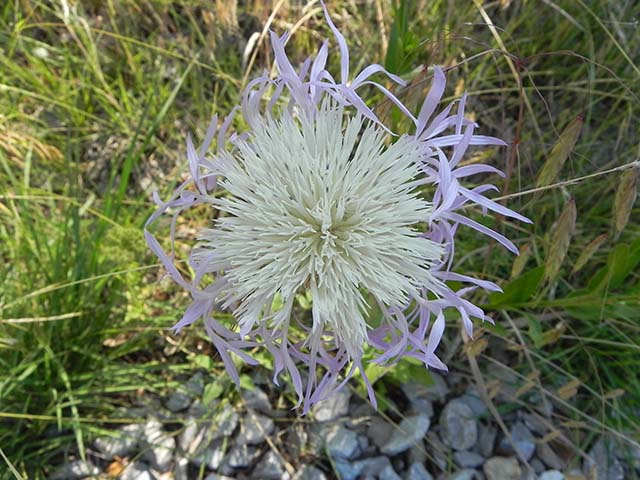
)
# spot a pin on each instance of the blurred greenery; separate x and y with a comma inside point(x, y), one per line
point(96, 99)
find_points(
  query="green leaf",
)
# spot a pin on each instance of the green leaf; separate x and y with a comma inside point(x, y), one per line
point(203, 361)
point(211, 392)
point(518, 291)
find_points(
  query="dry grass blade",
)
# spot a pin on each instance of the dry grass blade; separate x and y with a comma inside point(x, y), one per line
point(560, 152)
point(521, 261)
point(625, 198)
point(560, 240)
point(588, 252)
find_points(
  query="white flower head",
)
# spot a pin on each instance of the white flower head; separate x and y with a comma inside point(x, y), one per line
point(319, 197)
point(321, 204)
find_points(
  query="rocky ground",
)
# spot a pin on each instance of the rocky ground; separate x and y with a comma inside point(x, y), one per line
point(441, 431)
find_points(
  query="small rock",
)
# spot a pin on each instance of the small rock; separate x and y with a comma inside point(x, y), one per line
point(502, 468)
point(255, 428)
point(537, 466)
point(121, 445)
point(186, 439)
point(180, 469)
point(137, 471)
point(216, 476)
point(439, 452)
point(388, 473)
point(417, 471)
point(336, 406)
point(178, 401)
point(459, 427)
point(439, 390)
point(256, 399)
point(309, 472)
point(466, 474)
point(604, 462)
point(296, 439)
point(523, 441)
point(363, 442)
point(77, 469)
point(546, 454)
point(211, 455)
point(486, 440)
point(195, 385)
point(270, 468)
point(367, 468)
point(535, 423)
point(341, 442)
point(472, 398)
point(467, 459)
point(241, 456)
point(226, 421)
point(379, 431)
point(417, 395)
point(159, 446)
point(410, 431)
point(551, 475)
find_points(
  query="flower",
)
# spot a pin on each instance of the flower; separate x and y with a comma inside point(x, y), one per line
point(318, 200)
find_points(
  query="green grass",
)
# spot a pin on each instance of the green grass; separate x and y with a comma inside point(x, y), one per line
point(81, 309)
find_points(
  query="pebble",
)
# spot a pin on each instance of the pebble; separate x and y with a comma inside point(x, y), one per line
point(466, 474)
point(486, 440)
point(551, 475)
point(254, 429)
point(502, 468)
point(334, 407)
point(256, 399)
point(472, 398)
point(226, 422)
point(368, 467)
point(523, 441)
point(178, 401)
point(467, 459)
point(410, 431)
point(159, 446)
point(241, 456)
point(438, 391)
point(459, 427)
point(418, 398)
point(121, 445)
point(417, 471)
point(309, 472)
point(77, 469)
point(380, 431)
point(537, 465)
point(211, 455)
point(215, 476)
point(341, 442)
point(546, 454)
point(180, 469)
point(270, 468)
point(137, 471)
point(603, 462)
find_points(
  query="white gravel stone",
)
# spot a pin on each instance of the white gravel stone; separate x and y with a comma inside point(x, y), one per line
point(334, 407)
point(417, 471)
point(341, 442)
point(254, 429)
point(77, 469)
point(159, 446)
point(551, 475)
point(410, 431)
point(502, 468)
point(459, 427)
point(122, 444)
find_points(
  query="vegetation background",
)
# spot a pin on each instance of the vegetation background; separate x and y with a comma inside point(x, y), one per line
point(96, 99)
